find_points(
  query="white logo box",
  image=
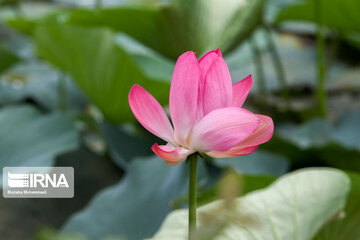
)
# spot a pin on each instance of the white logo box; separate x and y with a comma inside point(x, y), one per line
point(38, 182)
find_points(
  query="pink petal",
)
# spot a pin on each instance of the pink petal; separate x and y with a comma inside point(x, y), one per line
point(205, 62)
point(216, 89)
point(208, 59)
point(241, 90)
point(232, 153)
point(183, 95)
point(222, 129)
point(171, 155)
point(150, 113)
point(262, 134)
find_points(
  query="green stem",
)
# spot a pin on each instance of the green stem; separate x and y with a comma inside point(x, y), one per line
point(334, 48)
point(259, 69)
point(321, 68)
point(98, 4)
point(62, 94)
point(277, 64)
point(19, 11)
point(192, 194)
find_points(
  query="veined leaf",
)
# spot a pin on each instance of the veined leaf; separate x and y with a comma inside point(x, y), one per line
point(169, 28)
point(294, 207)
point(102, 69)
point(182, 25)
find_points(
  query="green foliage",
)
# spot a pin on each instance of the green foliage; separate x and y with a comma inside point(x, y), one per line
point(88, 45)
point(38, 82)
point(23, 25)
point(102, 69)
point(48, 234)
point(258, 163)
point(33, 139)
point(288, 209)
point(333, 16)
point(317, 142)
point(181, 26)
point(9, 2)
point(248, 183)
point(170, 29)
point(125, 144)
point(6, 59)
point(347, 226)
point(333, 10)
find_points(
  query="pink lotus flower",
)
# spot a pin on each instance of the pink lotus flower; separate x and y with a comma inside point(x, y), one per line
point(205, 110)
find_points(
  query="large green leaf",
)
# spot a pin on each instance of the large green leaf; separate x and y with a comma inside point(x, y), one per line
point(102, 69)
point(9, 2)
point(257, 163)
point(135, 207)
point(182, 25)
point(333, 14)
point(170, 28)
point(6, 59)
point(319, 132)
point(40, 83)
point(32, 14)
point(346, 227)
point(318, 142)
point(32, 139)
point(294, 207)
point(125, 143)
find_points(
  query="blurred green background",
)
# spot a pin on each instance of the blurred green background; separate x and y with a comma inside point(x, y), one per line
point(66, 68)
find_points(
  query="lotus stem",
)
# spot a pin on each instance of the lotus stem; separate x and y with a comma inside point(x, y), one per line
point(277, 64)
point(62, 94)
point(98, 4)
point(259, 68)
point(192, 195)
point(321, 68)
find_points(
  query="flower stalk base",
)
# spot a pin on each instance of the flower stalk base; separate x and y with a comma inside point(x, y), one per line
point(192, 194)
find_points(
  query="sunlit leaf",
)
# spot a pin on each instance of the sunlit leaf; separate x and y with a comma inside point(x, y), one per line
point(347, 226)
point(294, 207)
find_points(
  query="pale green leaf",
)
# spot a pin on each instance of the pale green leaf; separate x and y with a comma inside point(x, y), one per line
point(295, 207)
point(346, 227)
